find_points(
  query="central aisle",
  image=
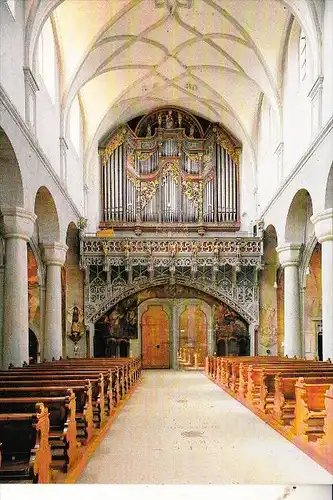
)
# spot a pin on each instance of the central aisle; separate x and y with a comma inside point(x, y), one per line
point(180, 428)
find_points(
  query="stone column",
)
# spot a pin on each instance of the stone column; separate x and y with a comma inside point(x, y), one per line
point(323, 223)
point(18, 228)
point(289, 259)
point(54, 258)
point(2, 291)
point(42, 292)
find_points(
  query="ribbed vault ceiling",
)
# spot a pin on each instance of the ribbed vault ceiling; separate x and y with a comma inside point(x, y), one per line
point(214, 57)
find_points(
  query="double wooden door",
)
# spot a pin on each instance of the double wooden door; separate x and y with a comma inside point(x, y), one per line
point(155, 335)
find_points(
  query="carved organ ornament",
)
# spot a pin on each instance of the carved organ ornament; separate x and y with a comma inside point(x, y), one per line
point(168, 170)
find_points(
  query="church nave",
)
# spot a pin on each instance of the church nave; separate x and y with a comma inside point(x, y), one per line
point(180, 428)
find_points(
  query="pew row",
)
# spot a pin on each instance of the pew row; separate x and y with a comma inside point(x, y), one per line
point(25, 449)
point(294, 396)
point(96, 386)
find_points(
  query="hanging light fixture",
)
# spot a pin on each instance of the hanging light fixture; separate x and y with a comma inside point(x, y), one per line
point(307, 271)
point(275, 285)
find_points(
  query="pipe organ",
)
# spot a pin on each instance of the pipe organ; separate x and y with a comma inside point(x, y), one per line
point(170, 170)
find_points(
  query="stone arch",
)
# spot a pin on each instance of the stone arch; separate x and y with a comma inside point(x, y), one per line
point(298, 225)
point(47, 217)
point(329, 189)
point(11, 185)
point(93, 315)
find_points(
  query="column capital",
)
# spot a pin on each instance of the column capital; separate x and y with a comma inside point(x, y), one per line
point(17, 223)
point(54, 254)
point(289, 254)
point(323, 224)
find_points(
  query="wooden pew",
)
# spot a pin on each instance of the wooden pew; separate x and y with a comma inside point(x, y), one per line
point(310, 412)
point(283, 410)
point(62, 435)
point(25, 449)
point(260, 379)
point(102, 390)
point(83, 397)
point(326, 443)
point(121, 375)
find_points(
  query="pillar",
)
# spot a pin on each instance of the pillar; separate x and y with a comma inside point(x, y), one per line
point(323, 223)
point(289, 259)
point(18, 227)
point(54, 257)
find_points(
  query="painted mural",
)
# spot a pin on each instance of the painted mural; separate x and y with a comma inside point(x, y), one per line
point(121, 322)
point(33, 291)
point(312, 304)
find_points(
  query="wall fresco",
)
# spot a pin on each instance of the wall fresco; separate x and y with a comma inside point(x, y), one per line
point(121, 321)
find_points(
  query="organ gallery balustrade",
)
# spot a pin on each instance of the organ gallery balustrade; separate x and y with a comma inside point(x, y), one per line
point(226, 268)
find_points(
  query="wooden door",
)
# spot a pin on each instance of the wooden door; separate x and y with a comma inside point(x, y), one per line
point(155, 337)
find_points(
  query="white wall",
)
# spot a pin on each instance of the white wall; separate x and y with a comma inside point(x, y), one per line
point(12, 54)
point(328, 61)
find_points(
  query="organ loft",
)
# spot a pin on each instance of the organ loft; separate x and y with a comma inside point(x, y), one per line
point(169, 231)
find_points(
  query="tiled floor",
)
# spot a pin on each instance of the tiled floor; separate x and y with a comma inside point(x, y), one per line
point(180, 428)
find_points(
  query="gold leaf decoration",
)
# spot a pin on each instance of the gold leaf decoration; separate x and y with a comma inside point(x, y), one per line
point(116, 140)
point(173, 168)
point(225, 142)
point(148, 190)
point(144, 156)
point(193, 191)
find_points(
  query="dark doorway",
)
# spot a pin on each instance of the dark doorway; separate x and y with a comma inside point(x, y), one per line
point(123, 348)
point(33, 347)
point(244, 346)
point(320, 342)
point(221, 348)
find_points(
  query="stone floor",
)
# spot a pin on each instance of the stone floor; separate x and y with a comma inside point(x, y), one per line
point(180, 428)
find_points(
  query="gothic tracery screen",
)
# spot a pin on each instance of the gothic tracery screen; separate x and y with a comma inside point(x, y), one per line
point(168, 170)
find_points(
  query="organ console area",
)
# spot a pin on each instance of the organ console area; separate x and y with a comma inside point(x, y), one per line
point(170, 168)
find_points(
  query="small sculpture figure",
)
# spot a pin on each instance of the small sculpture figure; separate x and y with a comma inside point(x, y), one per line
point(148, 130)
point(76, 325)
point(169, 120)
point(159, 119)
point(216, 248)
point(191, 131)
point(126, 249)
point(179, 120)
point(195, 248)
point(172, 249)
point(105, 248)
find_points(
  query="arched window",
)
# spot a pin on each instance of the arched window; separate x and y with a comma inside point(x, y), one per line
point(302, 56)
point(47, 58)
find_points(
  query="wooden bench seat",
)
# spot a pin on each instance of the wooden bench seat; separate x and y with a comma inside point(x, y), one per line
point(25, 448)
point(83, 397)
point(274, 366)
point(266, 385)
point(62, 435)
point(284, 404)
point(260, 386)
point(310, 412)
point(110, 377)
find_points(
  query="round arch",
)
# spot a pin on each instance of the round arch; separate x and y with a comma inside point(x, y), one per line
point(93, 315)
point(47, 216)
point(329, 189)
point(298, 225)
point(11, 185)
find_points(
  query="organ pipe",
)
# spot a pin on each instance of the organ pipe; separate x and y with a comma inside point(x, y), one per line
point(169, 198)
